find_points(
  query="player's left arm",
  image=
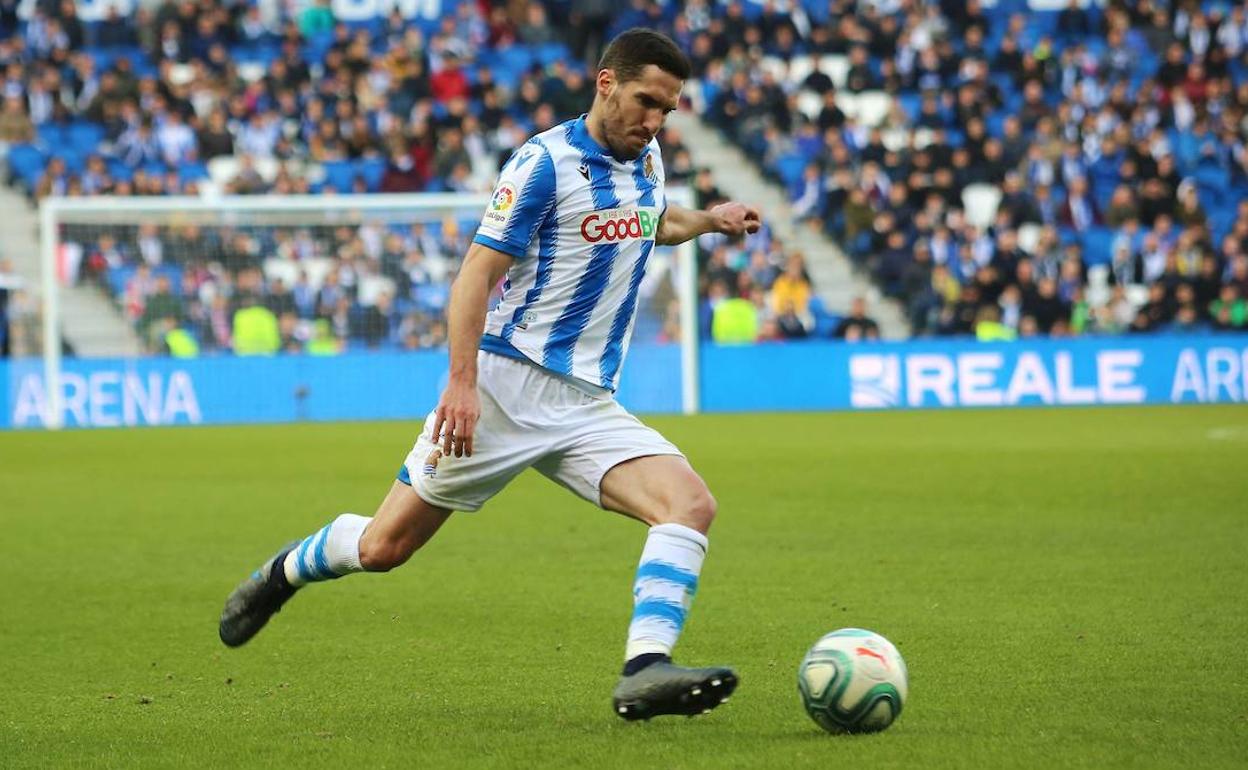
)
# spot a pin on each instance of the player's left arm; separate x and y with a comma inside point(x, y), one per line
point(680, 224)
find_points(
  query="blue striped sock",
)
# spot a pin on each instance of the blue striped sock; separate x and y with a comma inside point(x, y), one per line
point(329, 553)
point(667, 579)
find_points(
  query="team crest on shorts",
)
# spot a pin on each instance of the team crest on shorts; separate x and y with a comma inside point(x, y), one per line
point(431, 464)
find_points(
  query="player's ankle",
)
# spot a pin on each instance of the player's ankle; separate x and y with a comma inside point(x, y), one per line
point(637, 663)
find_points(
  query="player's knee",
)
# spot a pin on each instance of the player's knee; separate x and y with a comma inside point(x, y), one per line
point(694, 509)
point(382, 554)
point(701, 509)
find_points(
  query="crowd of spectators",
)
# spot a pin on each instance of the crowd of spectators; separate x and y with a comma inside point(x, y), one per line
point(198, 96)
point(1031, 172)
point(1049, 173)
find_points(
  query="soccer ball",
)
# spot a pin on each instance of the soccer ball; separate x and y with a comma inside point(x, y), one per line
point(853, 681)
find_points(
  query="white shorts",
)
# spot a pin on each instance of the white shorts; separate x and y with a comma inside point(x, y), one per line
point(529, 419)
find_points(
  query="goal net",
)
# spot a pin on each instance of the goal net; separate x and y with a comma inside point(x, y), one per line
point(275, 308)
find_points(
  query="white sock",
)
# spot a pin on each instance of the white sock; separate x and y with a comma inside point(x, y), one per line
point(330, 553)
point(667, 579)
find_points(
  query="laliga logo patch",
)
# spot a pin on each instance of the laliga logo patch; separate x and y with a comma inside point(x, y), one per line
point(504, 197)
point(501, 204)
point(614, 225)
point(648, 168)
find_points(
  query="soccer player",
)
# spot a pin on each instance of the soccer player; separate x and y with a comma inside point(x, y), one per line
point(573, 219)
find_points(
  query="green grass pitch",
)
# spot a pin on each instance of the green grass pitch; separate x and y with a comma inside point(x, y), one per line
point(1068, 588)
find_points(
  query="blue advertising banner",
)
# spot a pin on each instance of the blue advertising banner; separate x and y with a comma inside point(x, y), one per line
point(806, 376)
point(943, 374)
point(230, 389)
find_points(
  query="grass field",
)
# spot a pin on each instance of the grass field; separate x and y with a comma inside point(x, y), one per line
point(1069, 589)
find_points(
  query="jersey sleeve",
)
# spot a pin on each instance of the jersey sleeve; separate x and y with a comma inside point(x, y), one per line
point(523, 198)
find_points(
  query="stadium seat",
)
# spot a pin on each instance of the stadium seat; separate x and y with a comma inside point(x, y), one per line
point(372, 169)
point(85, 135)
point(1029, 237)
point(516, 58)
point(431, 297)
point(809, 103)
point(75, 159)
point(980, 202)
point(223, 169)
point(837, 68)
point(912, 104)
point(51, 136)
point(1098, 243)
point(790, 169)
point(192, 172)
point(26, 162)
point(339, 173)
point(551, 53)
point(119, 171)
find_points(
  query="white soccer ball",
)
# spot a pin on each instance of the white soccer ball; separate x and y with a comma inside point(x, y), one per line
point(853, 681)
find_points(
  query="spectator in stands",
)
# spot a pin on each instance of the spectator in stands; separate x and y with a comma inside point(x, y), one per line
point(10, 282)
point(214, 138)
point(316, 19)
point(15, 125)
point(256, 330)
point(857, 325)
point(159, 305)
point(247, 181)
point(792, 287)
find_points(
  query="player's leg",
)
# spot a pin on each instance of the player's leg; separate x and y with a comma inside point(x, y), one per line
point(620, 464)
point(428, 488)
point(664, 492)
point(350, 543)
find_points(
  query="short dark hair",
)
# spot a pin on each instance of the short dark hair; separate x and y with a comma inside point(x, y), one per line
point(633, 50)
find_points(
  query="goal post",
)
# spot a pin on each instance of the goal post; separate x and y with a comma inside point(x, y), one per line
point(211, 253)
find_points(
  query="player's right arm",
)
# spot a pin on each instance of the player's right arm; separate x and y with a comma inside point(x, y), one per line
point(459, 407)
point(522, 199)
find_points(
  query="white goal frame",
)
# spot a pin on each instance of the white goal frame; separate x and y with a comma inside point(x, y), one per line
point(54, 211)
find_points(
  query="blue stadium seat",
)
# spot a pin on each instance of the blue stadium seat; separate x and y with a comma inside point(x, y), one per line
point(825, 322)
point(85, 135)
point(431, 297)
point(912, 104)
point(119, 171)
point(75, 159)
point(790, 169)
point(1221, 221)
point(372, 169)
point(550, 53)
point(192, 172)
point(26, 162)
point(51, 135)
point(1213, 178)
point(258, 53)
point(1098, 245)
point(517, 58)
point(995, 124)
point(340, 174)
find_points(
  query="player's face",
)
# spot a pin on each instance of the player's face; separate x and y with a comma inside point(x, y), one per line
point(634, 111)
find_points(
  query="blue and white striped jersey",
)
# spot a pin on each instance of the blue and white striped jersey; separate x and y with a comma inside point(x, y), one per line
point(581, 226)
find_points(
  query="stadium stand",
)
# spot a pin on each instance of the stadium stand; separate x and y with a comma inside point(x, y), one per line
point(1050, 170)
point(1061, 168)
